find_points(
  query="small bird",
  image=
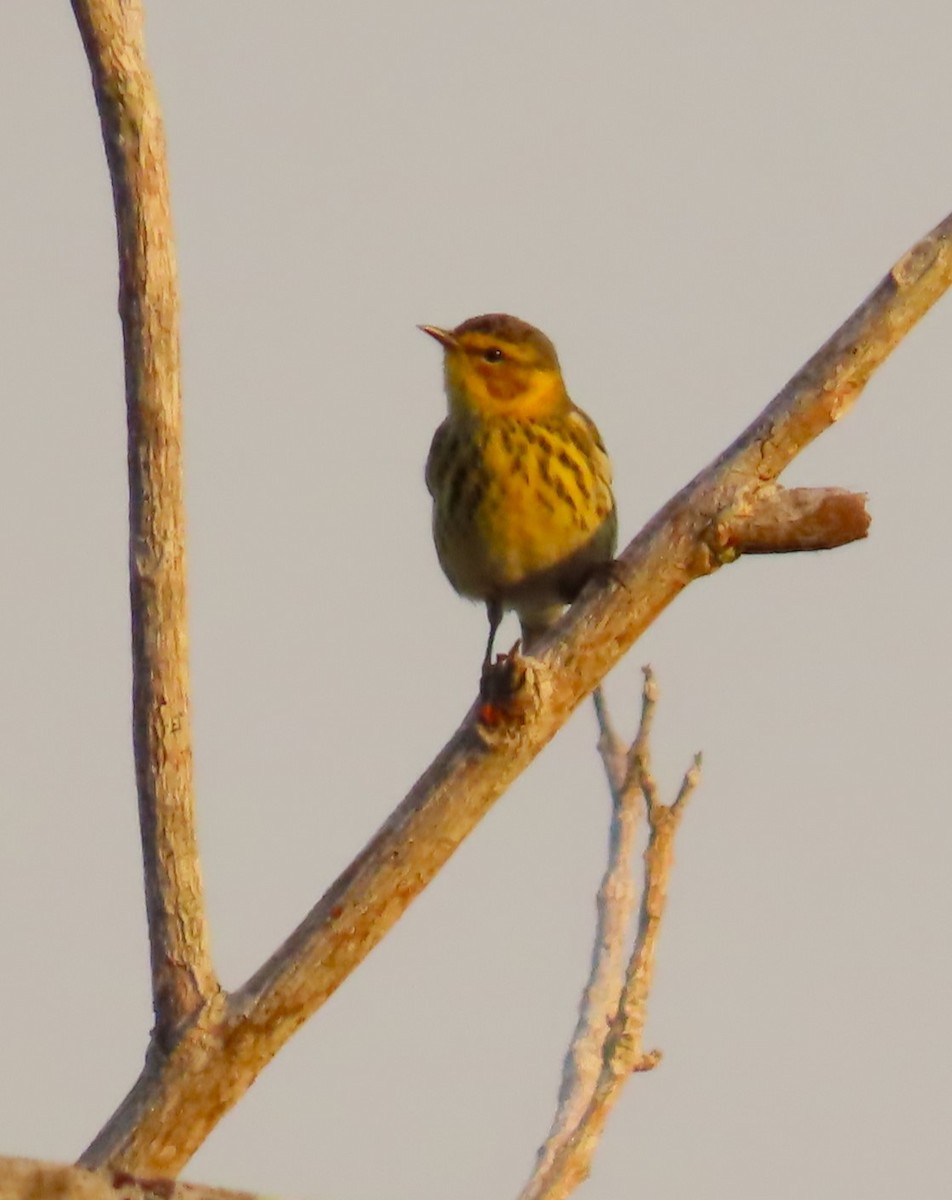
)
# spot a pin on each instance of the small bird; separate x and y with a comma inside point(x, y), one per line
point(523, 512)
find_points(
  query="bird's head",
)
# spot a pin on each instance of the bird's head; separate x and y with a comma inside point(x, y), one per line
point(497, 365)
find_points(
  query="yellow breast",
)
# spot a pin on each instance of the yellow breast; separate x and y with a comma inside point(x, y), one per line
point(514, 499)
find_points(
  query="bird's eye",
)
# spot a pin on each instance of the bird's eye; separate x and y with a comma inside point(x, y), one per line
point(493, 354)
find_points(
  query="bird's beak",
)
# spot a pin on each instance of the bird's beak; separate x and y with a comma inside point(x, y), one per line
point(443, 336)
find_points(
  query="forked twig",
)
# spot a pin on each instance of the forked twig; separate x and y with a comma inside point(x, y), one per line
point(614, 910)
point(607, 1046)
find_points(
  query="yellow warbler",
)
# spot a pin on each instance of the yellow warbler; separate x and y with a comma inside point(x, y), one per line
point(523, 511)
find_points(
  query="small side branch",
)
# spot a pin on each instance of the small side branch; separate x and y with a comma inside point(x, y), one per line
point(785, 520)
point(614, 909)
point(182, 974)
point(608, 1046)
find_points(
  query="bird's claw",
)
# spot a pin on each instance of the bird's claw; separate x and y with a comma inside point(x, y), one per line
point(499, 685)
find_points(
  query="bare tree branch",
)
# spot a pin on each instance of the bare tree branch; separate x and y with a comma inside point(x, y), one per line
point(27, 1179)
point(792, 519)
point(183, 977)
point(614, 909)
point(610, 1038)
point(178, 1100)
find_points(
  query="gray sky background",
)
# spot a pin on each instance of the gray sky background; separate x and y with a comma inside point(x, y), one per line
point(688, 198)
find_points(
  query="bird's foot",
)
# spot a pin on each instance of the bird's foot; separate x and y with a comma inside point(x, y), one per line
point(499, 687)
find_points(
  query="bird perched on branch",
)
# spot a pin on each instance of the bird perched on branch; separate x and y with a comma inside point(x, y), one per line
point(523, 511)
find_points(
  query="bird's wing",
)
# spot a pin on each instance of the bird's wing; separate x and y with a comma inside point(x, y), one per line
point(436, 460)
point(589, 440)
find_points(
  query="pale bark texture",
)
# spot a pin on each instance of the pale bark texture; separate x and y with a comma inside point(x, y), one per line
point(608, 1047)
point(612, 1016)
point(182, 973)
point(786, 520)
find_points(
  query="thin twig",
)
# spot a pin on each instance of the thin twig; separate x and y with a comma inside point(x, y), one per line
point(663, 821)
point(639, 771)
point(183, 978)
point(611, 749)
point(621, 1044)
point(692, 777)
point(614, 909)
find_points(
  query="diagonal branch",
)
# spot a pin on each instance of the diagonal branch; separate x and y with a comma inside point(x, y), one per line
point(176, 1102)
point(182, 974)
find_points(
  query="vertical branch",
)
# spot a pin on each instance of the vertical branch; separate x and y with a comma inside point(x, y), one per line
point(182, 973)
point(607, 1046)
point(614, 908)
